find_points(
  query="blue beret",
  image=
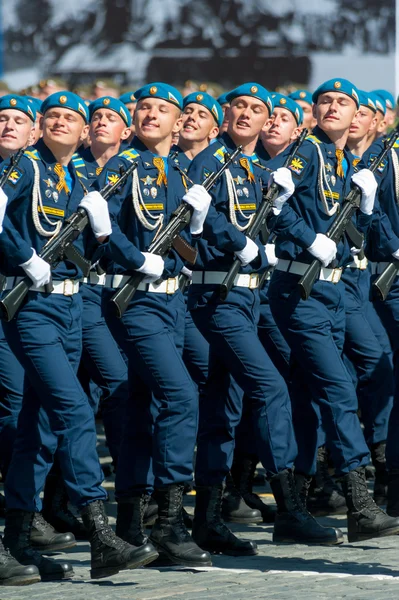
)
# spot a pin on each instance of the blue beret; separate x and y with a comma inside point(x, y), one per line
point(252, 89)
point(367, 99)
point(389, 99)
point(337, 85)
point(303, 95)
point(11, 101)
point(111, 104)
point(209, 102)
point(280, 101)
point(69, 100)
point(379, 102)
point(164, 91)
point(37, 103)
point(128, 98)
point(223, 99)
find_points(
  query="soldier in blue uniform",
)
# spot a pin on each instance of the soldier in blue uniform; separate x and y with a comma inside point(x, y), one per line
point(158, 445)
point(390, 113)
point(370, 359)
point(314, 328)
point(304, 99)
point(102, 365)
point(383, 245)
point(46, 337)
point(231, 330)
point(130, 101)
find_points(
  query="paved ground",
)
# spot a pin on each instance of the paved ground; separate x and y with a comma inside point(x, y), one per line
point(360, 571)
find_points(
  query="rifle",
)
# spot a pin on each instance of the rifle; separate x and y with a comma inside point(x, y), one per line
point(14, 160)
point(343, 221)
point(258, 225)
point(59, 248)
point(169, 237)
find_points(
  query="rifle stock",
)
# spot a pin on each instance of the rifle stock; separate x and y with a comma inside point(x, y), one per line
point(259, 223)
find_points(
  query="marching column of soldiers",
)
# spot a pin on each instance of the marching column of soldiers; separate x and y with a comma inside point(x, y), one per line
point(224, 276)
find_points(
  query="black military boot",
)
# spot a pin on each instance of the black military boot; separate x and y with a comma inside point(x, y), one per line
point(242, 471)
point(393, 493)
point(56, 511)
point(377, 452)
point(17, 533)
point(294, 524)
point(13, 573)
point(365, 519)
point(170, 535)
point(209, 530)
point(109, 554)
point(325, 497)
point(45, 538)
point(151, 513)
point(129, 524)
point(234, 508)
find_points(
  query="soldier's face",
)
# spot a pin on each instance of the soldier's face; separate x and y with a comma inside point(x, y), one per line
point(362, 124)
point(308, 119)
point(334, 111)
point(198, 124)
point(63, 126)
point(378, 125)
point(15, 129)
point(226, 113)
point(156, 119)
point(247, 116)
point(283, 129)
point(107, 127)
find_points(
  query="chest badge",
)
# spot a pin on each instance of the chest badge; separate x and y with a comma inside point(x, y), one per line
point(154, 192)
point(239, 180)
point(329, 167)
point(148, 180)
point(333, 179)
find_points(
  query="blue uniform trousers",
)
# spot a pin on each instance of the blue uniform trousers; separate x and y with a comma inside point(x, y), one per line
point(388, 311)
point(373, 368)
point(11, 393)
point(106, 366)
point(314, 330)
point(195, 353)
point(162, 413)
point(236, 351)
point(55, 414)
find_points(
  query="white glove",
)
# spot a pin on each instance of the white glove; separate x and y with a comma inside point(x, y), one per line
point(97, 211)
point(153, 267)
point(38, 270)
point(187, 272)
point(271, 254)
point(283, 178)
point(248, 253)
point(368, 184)
point(3, 206)
point(355, 251)
point(200, 200)
point(396, 254)
point(324, 249)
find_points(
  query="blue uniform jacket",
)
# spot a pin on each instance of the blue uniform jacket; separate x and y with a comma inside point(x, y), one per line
point(303, 214)
point(20, 234)
point(220, 237)
point(383, 237)
point(129, 237)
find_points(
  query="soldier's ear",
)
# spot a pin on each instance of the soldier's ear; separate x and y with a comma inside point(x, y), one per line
point(126, 133)
point(178, 124)
point(267, 124)
point(314, 111)
point(214, 132)
point(41, 121)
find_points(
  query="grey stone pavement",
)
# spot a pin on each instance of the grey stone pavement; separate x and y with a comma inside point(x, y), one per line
point(368, 570)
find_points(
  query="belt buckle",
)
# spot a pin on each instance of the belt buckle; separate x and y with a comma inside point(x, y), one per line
point(171, 285)
point(336, 275)
point(69, 287)
point(253, 281)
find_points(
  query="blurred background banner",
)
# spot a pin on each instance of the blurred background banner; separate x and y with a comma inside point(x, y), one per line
point(274, 42)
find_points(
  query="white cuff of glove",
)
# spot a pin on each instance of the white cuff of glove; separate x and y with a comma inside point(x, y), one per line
point(3, 206)
point(324, 249)
point(187, 272)
point(38, 270)
point(396, 254)
point(355, 251)
point(271, 254)
point(200, 200)
point(97, 211)
point(248, 253)
point(153, 267)
point(368, 184)
point(283, 178)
